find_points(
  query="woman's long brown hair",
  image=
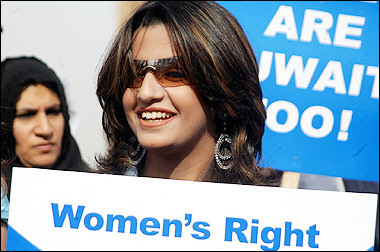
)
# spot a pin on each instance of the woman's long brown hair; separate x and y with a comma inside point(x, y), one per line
point(217, 57)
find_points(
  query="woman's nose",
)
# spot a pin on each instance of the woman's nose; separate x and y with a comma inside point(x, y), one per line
point(150, 91)
point(43, 126)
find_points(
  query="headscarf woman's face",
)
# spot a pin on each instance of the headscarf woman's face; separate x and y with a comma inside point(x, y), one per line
point(38, 127)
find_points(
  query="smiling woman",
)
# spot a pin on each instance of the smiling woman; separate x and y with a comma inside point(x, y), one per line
point(181, 97)
point(35, 119)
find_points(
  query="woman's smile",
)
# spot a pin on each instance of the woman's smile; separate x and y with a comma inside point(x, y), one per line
point(155, 119)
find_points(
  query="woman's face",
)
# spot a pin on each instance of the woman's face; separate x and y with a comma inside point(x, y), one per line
point(187, 120)
point(38, 127)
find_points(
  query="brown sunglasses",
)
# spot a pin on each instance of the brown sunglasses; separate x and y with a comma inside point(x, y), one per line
point(167, 72)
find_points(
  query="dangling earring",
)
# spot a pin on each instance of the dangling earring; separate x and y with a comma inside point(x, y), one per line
point(135, 156)
point(219, 157)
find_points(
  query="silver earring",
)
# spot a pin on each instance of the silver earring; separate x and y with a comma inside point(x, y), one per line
point(135, 157)
point(219, 157)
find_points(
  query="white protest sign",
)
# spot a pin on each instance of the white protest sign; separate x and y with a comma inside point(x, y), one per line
point(62, 210)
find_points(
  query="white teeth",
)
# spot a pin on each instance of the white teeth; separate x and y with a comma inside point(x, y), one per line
point(156, 116)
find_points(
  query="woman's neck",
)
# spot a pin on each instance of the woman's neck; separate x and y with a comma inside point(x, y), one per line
point(180, 164)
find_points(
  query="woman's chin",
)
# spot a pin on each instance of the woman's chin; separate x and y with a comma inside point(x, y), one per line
point(158, 146)
point(44, 164)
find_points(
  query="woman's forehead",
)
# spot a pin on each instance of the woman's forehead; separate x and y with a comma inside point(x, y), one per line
point(152, 42)
point(36, 95)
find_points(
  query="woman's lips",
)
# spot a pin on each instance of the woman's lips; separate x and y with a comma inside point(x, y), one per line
point(44, 147)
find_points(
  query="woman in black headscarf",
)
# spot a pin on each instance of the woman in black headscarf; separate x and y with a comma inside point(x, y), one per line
point(22, 74)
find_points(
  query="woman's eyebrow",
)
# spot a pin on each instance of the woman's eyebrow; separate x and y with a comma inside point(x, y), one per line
point(22, 110)
point(55, 106)
point(29, 109)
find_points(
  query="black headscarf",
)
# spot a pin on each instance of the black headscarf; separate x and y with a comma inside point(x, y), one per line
point(17, 74)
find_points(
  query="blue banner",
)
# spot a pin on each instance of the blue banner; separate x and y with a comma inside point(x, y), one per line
point(319, 70)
